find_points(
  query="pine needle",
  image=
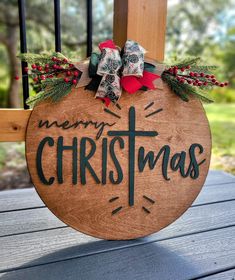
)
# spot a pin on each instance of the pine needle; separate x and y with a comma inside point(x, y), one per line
point(54, 89)
point(40, 58)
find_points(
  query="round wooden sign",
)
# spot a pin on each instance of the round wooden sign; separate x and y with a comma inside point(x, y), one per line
point(120, 172)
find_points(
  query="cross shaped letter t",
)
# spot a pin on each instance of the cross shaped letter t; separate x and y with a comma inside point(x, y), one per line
point(132, 134)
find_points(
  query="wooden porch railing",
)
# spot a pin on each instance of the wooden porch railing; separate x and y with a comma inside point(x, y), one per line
point(140, 20)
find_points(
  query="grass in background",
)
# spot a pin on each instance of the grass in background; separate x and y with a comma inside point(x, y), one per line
point(222, 122)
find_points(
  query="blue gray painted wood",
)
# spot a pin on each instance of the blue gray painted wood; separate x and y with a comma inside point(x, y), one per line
point(34, 244)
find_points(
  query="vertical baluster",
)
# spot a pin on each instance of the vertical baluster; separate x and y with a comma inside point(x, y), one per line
point(23, 49)
point(89, 27)
point(57, 25)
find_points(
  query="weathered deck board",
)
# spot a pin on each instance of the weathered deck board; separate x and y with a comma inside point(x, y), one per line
point(215, 193)
point(218, 177)
point(19, 199)
point(198, 219)
point(202, 217)
point(227, 275)
point(186, 257)
point(28, 198)
point(36, 245)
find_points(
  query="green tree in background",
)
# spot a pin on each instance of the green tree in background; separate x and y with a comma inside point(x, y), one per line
point(194, 26)
point(228, 55)
point(40, 35)
point(206, 29)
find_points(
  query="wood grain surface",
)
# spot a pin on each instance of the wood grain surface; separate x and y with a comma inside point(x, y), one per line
point(33, 244)
point(87, 208)
point(13, 124)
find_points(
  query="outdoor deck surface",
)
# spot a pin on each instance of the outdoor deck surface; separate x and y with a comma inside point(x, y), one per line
point(35, 245)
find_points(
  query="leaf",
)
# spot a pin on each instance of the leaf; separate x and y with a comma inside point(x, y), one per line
point(203, 68)
point(40, 58)
point(186, 61)
point(55, 89)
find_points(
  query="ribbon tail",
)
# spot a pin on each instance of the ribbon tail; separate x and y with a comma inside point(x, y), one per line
point(109, 87)
point(106, 100)
point(131, 84)
point(148, 79)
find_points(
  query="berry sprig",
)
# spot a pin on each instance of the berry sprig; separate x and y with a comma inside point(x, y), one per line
point(197, 79)
point(53, 76)
point(54, 69)
point(188, 78)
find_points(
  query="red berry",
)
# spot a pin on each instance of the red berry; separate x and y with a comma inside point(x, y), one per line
point(212, 76)
point(213, 80)
point(43, 77)
point(50, 76)
point(35, 79)
point(226, 83)
point(54, 58)
point(68, 73)
point(188, 67)
point(199, 84)
point(17, 77)
point(205, 83)
point(202, 74)
point(189, 82)
point(74, 81)
point(195, 74)
point(55, 66)
point(47, 66)
point(47, 70)
point(216, 83)
point(178, 78)
point(65, 60)
point(66, 80)
point(71, 65)
point(207, 76)
point(191, 74)
point(39, 68)
point(195, 83)
point(76, 73)
point(182, 69)
point(34, 66)
point(182, 81)
point(221, 85)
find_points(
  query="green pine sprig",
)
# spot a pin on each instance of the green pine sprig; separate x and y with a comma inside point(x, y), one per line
point(192, 61)
point(176, 87)
point(53, 89)
point(184, 90)
point(40, 58)
point(188, 77)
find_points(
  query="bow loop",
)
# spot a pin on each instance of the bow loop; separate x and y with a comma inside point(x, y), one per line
point(133, 59)
point(110, 62)
point(108, 67)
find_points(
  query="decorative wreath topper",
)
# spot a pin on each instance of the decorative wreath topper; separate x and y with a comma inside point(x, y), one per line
point(110, 72)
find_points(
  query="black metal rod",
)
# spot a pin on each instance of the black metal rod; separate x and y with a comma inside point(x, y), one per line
point(23, 49)
point(57, 25)
point(89, 27)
